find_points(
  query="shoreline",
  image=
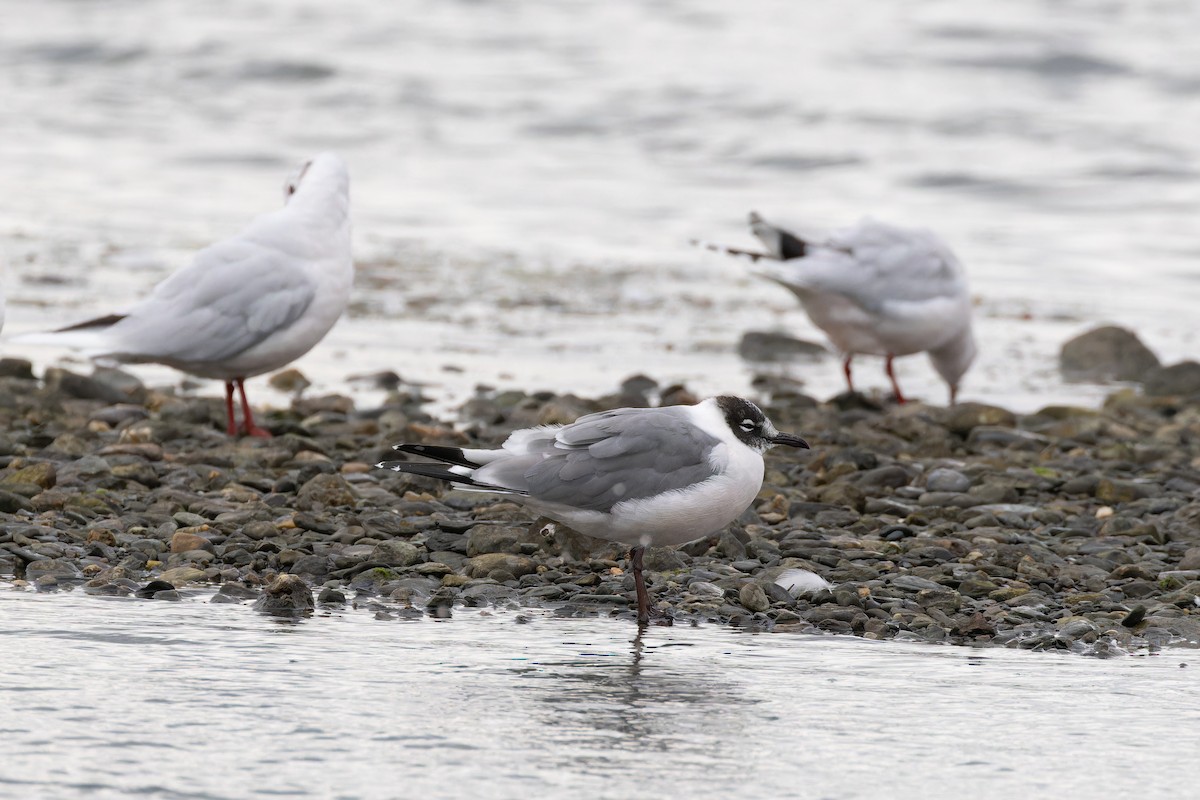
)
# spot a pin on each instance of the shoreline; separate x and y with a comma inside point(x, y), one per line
point(1070, 529)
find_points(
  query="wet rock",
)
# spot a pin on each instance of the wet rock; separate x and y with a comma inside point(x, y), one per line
point(314, 565)
point(840, 494)
point(1112, 490)
point(1190, 560)
point(183, 541)
point(1006, 437)
point(286, 596)
point(753, 597)
point(771, 346)
point(1181, 379)
point(1104, 354)
point(58, 568)
point(947, 480)
point(964, 417)
point(153, 588)
point(395, 554)
point(70, 384)
point(890, 476)
point(43, 475)
point(234, 593)
point(481, 566)
point(663, 559)
point(18, 368)
point(330, 597)
point(325, 491)
point(290, 381)
point(180, 576)
point(11, 503)
point(500, 539)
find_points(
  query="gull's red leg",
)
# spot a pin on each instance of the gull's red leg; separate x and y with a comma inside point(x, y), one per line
point(639, 582)
point(247, 416)
point(846, 370)
point(229, 408)
point(895, 386)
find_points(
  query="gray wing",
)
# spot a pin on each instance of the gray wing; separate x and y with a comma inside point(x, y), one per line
point(602, 459)
point(233, 295)
point(874, 264)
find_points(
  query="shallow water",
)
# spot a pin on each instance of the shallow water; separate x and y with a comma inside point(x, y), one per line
point(527, 176)
point(112, 698)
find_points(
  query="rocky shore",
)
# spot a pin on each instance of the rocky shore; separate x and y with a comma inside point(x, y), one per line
point(1068, 529)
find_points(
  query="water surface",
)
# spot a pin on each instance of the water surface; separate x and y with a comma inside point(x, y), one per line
point(117, 698)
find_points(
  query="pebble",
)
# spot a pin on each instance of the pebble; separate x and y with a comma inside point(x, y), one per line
point(968, 525)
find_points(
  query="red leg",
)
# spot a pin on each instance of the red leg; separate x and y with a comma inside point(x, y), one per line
point(247, 416)
point(895, 386)
point(846, 369)
point(232, 429)
point(639, 582)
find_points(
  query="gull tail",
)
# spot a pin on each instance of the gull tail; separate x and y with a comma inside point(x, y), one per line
point(716, 247)
point(459, 475)
point(782, 245)
point(90, 336)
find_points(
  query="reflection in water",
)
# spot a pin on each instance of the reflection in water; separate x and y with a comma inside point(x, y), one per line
point(635, 699)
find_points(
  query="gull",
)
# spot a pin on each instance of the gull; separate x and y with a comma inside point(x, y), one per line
point(874, 289)
point(246, 305)
point(643, 477)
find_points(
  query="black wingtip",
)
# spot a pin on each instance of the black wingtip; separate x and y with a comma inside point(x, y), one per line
point(99, 322)
point(448, 455)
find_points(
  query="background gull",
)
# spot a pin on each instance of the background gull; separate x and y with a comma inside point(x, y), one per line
point(874, 289)
point(644, 477)
point(248, 304)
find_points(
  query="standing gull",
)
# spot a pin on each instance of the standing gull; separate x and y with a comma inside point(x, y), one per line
point(246, 305)
point(875, 289)
point(644, 477)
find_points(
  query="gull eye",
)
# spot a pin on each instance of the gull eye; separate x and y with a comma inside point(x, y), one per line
point(748, 425)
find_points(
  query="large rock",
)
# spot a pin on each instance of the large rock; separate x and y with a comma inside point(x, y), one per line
point(768, 346)
point(1109, 353)
point(325, 491)
point(482, 566)
point(182, 575)
point(395, 554)
point(185, 541)
point(488, 538)
point(965, 417)
point(42, 474)
point(286, 596)
point(1177, 379)
point(61, 381)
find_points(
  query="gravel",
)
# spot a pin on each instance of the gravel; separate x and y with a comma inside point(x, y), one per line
point(1068, 529)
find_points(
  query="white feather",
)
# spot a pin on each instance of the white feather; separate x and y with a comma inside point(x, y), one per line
point(801, 581)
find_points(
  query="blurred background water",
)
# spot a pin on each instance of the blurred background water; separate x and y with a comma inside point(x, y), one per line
point(526, 176)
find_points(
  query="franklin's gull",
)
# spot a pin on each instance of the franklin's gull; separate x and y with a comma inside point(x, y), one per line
point(644, 477)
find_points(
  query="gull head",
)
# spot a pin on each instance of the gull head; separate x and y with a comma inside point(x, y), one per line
point(324, 169)
point(953, 359)
point(751, 426)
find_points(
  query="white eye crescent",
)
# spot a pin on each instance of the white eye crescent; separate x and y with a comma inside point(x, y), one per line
point(748, 425)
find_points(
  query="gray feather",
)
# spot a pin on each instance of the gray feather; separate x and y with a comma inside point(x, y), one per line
point(603, 459)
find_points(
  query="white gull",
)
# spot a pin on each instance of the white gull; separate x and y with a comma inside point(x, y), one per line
point(874, 289)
